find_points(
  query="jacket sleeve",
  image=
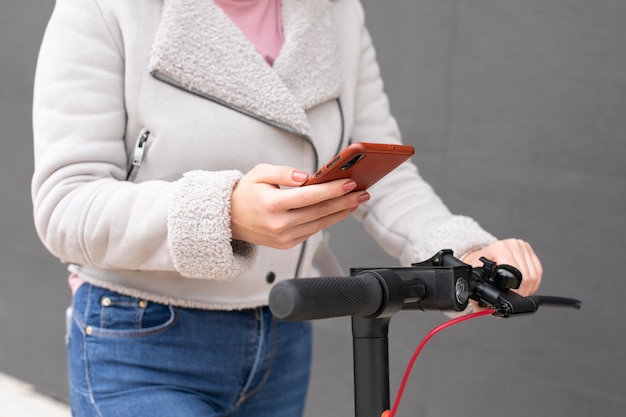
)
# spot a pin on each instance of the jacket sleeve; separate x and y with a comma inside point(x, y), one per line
point(404, 214)
point(84, 210)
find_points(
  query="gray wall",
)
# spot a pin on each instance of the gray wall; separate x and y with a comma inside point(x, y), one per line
point(32, 291)
point(516, 108)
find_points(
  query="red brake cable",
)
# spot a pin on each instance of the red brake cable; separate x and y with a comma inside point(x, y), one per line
point(423, 343)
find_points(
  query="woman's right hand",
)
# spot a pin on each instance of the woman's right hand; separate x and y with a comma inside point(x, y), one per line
point(263, 213)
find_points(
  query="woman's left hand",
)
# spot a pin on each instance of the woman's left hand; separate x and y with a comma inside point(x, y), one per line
point(514, 252)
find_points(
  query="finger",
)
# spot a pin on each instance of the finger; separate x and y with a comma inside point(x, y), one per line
point(529, 266)
point(305, 230)
point(536, 270)
point(277, 175)
point(312, 195)
point(530, 272)
point(517, 252)
point(329, 207)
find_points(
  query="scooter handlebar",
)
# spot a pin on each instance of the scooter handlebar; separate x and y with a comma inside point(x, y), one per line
point(325, 297)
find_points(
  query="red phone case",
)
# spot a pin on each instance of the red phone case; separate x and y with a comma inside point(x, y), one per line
point(364, 162)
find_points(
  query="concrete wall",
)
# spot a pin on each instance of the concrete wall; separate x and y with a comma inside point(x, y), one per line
point(516, 110)
point(33, 296)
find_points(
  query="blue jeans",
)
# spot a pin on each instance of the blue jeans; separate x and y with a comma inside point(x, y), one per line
point(131, 358)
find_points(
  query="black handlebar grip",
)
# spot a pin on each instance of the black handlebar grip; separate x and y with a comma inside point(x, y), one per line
point(320, 298)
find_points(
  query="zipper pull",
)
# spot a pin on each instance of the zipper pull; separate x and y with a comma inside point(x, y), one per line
point(140, 148)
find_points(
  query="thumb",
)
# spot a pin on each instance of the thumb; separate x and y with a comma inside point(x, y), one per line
point(277, 175)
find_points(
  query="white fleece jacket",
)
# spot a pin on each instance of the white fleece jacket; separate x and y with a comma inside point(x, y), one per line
point(146, 114)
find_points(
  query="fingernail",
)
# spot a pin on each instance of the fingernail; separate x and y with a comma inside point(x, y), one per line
point(349, 186)
point(363, 197)
point(299, 176)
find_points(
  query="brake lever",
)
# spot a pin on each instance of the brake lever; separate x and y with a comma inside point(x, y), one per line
point(512, 304)
point(552, 301)
point(507, 303)
point(491, 285)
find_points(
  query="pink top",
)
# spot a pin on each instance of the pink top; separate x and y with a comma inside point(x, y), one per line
point(260, 21)
point(74, 281)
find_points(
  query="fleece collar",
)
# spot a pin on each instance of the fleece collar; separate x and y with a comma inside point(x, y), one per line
point(198, 48)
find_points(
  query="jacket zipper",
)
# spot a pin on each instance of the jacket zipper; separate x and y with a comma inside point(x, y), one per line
point(138, 153)
point(168, 80)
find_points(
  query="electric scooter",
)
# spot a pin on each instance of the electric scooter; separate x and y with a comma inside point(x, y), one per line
point(372, 296)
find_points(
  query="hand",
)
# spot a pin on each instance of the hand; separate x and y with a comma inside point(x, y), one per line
point(516, 253)
point(264, 214)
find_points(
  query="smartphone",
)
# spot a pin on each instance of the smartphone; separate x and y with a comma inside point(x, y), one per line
point(364, 162)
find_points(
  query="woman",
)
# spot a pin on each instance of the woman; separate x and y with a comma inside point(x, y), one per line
point(170, 140)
